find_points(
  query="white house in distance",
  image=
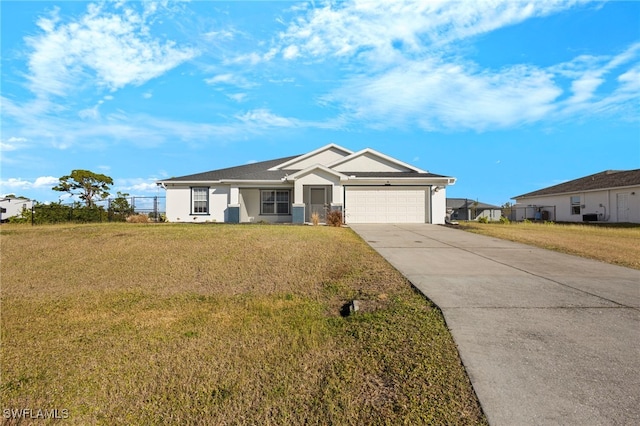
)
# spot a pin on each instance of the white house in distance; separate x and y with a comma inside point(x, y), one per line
point(11, 206)
point(609, 196)
point(367, 186)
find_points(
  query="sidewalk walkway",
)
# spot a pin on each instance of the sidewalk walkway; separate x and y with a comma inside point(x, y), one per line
point(546, 338)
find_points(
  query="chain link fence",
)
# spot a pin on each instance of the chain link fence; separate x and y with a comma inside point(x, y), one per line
point(121, 209)
point(533, 213)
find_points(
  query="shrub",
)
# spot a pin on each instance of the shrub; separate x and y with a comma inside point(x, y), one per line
point(334, 218)
point(315, 218)
point(505, 220)
point(483, 219)
point(138, 218)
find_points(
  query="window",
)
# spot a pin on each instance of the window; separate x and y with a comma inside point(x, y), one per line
point(275, 202)
point(575, 204)
point(199, 200)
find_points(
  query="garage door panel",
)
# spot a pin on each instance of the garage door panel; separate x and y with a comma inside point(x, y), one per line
point(386, 205)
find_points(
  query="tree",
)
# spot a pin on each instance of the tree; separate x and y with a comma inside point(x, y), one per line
point(86, 185)
point(506, 209)
point(120, 207)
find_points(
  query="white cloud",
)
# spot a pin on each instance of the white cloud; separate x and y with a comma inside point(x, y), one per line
point(221, 78)
point(448, 95)
point(589, 73)
point(147, 95)
point(291, 52)
point(113, 47)
point(265, 118)
point(229, 79)
point(45, 181)
point(223, 34)
point(13, 184)
point(250, 58)
point(238, 97)
point(136, 186)
point(12, 144)
point(403, 71)
point(90, 113)
point(381, 31)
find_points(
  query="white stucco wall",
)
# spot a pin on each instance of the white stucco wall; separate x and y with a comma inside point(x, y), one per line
point(318, 177)
point(491, 214)
point(369, 163)
point(14, 207)
point(325, 158)
point(603, 203)
point(438, 206)
point(178, 199)
point(179, 204)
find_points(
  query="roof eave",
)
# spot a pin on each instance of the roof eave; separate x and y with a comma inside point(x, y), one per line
point(190, 182)
point(424, 180)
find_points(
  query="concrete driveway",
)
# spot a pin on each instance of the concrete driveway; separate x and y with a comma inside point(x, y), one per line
point(546, 338)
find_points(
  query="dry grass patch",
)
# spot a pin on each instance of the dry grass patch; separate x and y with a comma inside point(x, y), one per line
point(211, 324)
point(619, 245)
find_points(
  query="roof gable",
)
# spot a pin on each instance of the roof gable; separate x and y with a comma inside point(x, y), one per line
point(315, 168)
point(599, 181)
point(369, 160)
point(324, 155)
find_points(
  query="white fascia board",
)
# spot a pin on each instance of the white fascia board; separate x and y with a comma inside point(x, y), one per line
point(378, 154)
point(309, 154)
point(310, 169)
point(164, 183)
point(402, 181)
point(252, 182)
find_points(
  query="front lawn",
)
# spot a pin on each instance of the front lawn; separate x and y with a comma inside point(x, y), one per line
point(220, 324)
point(617, 244)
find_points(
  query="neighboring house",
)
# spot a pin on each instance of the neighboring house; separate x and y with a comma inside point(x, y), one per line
point(467, 209)
point(609, 196)
point(367, 186)
point(13, 206)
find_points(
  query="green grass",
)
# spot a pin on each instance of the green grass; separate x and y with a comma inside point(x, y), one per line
point(218, 324)
point(618, 244)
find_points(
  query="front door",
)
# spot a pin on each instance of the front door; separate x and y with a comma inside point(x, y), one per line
point(623, 207)
point(317, 203)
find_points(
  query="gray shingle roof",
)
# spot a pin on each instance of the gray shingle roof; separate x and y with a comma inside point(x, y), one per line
point(460, 203)
point(603, 180)
point(260, 171)
point(254, 171)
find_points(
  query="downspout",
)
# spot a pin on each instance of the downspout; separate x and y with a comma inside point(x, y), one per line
point(344, 204)
point(431, 204)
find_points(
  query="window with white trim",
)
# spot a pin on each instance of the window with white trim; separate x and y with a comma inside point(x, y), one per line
point(199, 200)
point(575, 204)
point(275, 202)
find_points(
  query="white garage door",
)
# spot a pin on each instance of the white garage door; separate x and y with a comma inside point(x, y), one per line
point(385, 205)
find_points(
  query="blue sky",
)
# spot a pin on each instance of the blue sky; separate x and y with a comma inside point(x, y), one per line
point(506, 96)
